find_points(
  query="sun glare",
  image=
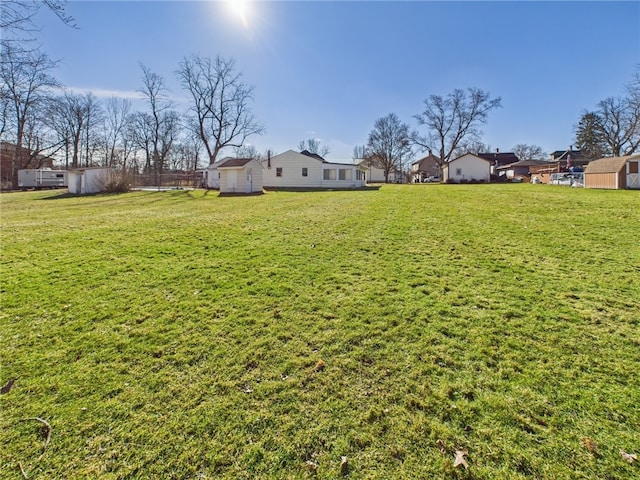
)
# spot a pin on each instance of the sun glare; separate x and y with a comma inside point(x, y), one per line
point(240, 9)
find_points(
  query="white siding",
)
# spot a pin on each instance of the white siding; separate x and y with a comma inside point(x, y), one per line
point(213, 175)
point(245, 179)
point(90, 180)
point(292, 164)
point(468, 168)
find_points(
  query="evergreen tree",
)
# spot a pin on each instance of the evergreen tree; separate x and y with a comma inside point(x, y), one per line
point(591, 137)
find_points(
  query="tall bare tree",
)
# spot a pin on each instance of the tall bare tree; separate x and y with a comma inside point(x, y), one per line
point(389, 144)
point(117, 114)
point(27, 87)
point(620, 124)
point(164, 122)
point(453, 119)
point(313, 145)
point(221, 103)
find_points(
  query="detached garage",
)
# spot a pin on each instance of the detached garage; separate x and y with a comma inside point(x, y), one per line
point(616, 173)
point(240, 175)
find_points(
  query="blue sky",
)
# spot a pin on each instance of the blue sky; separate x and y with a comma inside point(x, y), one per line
point(328, 70)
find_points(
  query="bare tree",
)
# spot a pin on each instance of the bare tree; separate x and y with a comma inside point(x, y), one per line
point(27, 85)
point(453, 119)
point(359, 152)
point(313, 145)
point(389, 144)
point(246, 151)
point(221, 103)
point(620, 124)
point(17, 20)
point(163, 123)
point(117, 114)
point(474, 146)
point(528, 152)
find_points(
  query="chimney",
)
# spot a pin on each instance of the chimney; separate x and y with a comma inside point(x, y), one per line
point(268, 158)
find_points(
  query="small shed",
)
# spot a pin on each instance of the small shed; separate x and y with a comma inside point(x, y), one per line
point(613, 173)
point(89, 180)
point(240, 175)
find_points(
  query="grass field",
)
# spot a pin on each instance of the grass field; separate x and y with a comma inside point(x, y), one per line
point(184, 335)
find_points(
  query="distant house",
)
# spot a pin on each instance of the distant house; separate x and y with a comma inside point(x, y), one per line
point(426, 167)
point(499, 159)
point(240, 175)
point(300, 170)
point(467, 168)
point(613, 173)
point(520, 169)
point(567, 159)
point(561, 161)
point(375, 172)
point(89, 180)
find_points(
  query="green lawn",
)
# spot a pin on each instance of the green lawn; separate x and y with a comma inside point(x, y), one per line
point(185, 335)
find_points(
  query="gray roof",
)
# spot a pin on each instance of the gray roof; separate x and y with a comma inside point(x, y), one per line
point(235, 162)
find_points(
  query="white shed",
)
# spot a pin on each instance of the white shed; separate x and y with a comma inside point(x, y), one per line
point(89, 180)
point(240, 175)
point(468, 168)
point(212, 175)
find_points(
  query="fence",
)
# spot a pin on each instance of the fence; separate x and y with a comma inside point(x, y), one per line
point(166, 181)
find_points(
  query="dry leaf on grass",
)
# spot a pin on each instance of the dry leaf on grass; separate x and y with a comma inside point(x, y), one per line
point(441, 446)
point(460, 454)
point(590, 444)
point(7, 387)
point(629, 457)
point(319, 365)
point(344, 465)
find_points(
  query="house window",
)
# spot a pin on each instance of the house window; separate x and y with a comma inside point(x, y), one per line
point(633, 167)
point(458, 172)
point(305, 172)
point(344, 174)
point(329, 174)
point(279, 172)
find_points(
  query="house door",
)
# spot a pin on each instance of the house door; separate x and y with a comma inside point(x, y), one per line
point(633, 177)
point(232, 180)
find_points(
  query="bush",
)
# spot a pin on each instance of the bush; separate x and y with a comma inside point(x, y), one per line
point(117, 186)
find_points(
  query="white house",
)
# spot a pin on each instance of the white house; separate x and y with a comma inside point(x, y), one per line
point(240, 175)
point(309, 170)
point(375, 173)
point(89, 180)
point(467, 168)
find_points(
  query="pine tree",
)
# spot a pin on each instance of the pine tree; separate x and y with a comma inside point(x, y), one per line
point(590, 136)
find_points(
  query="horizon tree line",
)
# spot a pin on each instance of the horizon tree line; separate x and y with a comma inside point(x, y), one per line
point(42, 118)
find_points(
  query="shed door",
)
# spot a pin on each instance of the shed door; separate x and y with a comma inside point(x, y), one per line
point(232, 180)
point(633, 176)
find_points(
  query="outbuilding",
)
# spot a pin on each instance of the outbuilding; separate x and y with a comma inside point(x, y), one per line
point(89, 180)
point(240, 175)
point(617, 173)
